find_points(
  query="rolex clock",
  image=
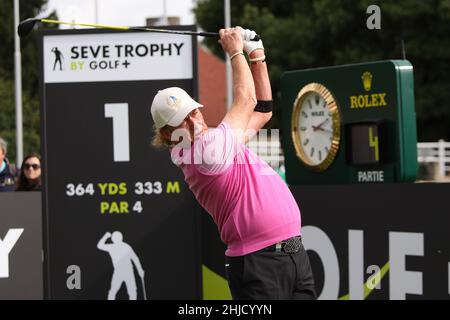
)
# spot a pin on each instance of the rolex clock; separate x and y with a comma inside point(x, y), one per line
point(349, 124)
point(316, 126)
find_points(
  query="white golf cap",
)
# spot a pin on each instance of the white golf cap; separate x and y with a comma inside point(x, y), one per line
point(171, 106)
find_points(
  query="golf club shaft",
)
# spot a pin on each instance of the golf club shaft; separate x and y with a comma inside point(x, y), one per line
point(195, 33)
point(84, 24)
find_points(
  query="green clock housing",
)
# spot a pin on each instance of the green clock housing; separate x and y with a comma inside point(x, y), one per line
point(350, 124)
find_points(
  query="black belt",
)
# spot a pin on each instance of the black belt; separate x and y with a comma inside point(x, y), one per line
point(291, 245)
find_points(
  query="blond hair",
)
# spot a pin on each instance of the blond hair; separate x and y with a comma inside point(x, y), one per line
point(159, 140)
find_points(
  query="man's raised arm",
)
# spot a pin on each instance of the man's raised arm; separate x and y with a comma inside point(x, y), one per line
point(258, 67)
point(101, 245)
point(244, 98)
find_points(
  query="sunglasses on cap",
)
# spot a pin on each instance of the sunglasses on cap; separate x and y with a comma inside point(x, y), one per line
point(35, 166)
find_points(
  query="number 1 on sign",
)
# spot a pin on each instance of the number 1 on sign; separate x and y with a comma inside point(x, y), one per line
point(121, 137)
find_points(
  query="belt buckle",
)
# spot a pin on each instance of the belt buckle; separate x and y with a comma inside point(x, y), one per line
point(292, 245)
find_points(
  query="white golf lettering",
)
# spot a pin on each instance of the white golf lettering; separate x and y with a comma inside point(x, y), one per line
point(6, 246)
point(356, 264)
point(401, 281)
point(317, 240)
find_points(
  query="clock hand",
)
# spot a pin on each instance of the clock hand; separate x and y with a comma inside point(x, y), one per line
point(323, 122)
point(315, 128)
point(326, 130)
point(319, 127)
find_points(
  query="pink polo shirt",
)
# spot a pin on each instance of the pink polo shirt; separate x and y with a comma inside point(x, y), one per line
point(250, 203)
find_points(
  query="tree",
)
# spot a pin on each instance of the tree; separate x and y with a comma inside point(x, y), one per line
point(30, 80)
point(309, 34)
point(31, 120)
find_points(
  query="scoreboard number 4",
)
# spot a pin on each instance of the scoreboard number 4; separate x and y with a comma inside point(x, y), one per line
point(373, 143)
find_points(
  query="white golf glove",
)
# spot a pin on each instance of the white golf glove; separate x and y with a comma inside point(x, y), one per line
point(249, 45)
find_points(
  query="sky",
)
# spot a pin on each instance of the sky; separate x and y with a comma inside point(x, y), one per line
point(121, 12)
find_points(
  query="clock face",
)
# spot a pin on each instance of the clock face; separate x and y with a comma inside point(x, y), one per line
point(316, 126)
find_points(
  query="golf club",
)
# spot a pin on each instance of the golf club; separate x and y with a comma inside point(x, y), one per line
point(26, 26)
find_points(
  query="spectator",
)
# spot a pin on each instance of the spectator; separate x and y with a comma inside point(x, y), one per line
point(8, 171)
point(30, 174)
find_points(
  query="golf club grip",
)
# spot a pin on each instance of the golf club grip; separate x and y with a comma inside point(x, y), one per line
point(216, 34)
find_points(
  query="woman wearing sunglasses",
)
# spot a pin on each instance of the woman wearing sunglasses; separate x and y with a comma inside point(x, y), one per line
point(30, 174)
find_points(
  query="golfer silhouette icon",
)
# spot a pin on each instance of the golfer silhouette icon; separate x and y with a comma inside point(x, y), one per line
point(58, 56)
point(123, 257)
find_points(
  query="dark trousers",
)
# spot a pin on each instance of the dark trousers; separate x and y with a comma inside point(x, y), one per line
point(266, 275)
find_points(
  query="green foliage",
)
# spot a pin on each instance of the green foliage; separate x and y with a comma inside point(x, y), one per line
point(7, 115)
point(30, 79)
point(317, 33)
point(31, 120)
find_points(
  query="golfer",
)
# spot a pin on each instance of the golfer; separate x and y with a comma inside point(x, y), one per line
point(256, 214)
point(58, 56)
point(123, 257)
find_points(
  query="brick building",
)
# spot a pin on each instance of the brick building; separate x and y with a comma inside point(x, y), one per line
point(212, 86)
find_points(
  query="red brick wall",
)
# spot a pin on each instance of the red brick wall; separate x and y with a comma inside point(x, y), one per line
point(212, 87)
